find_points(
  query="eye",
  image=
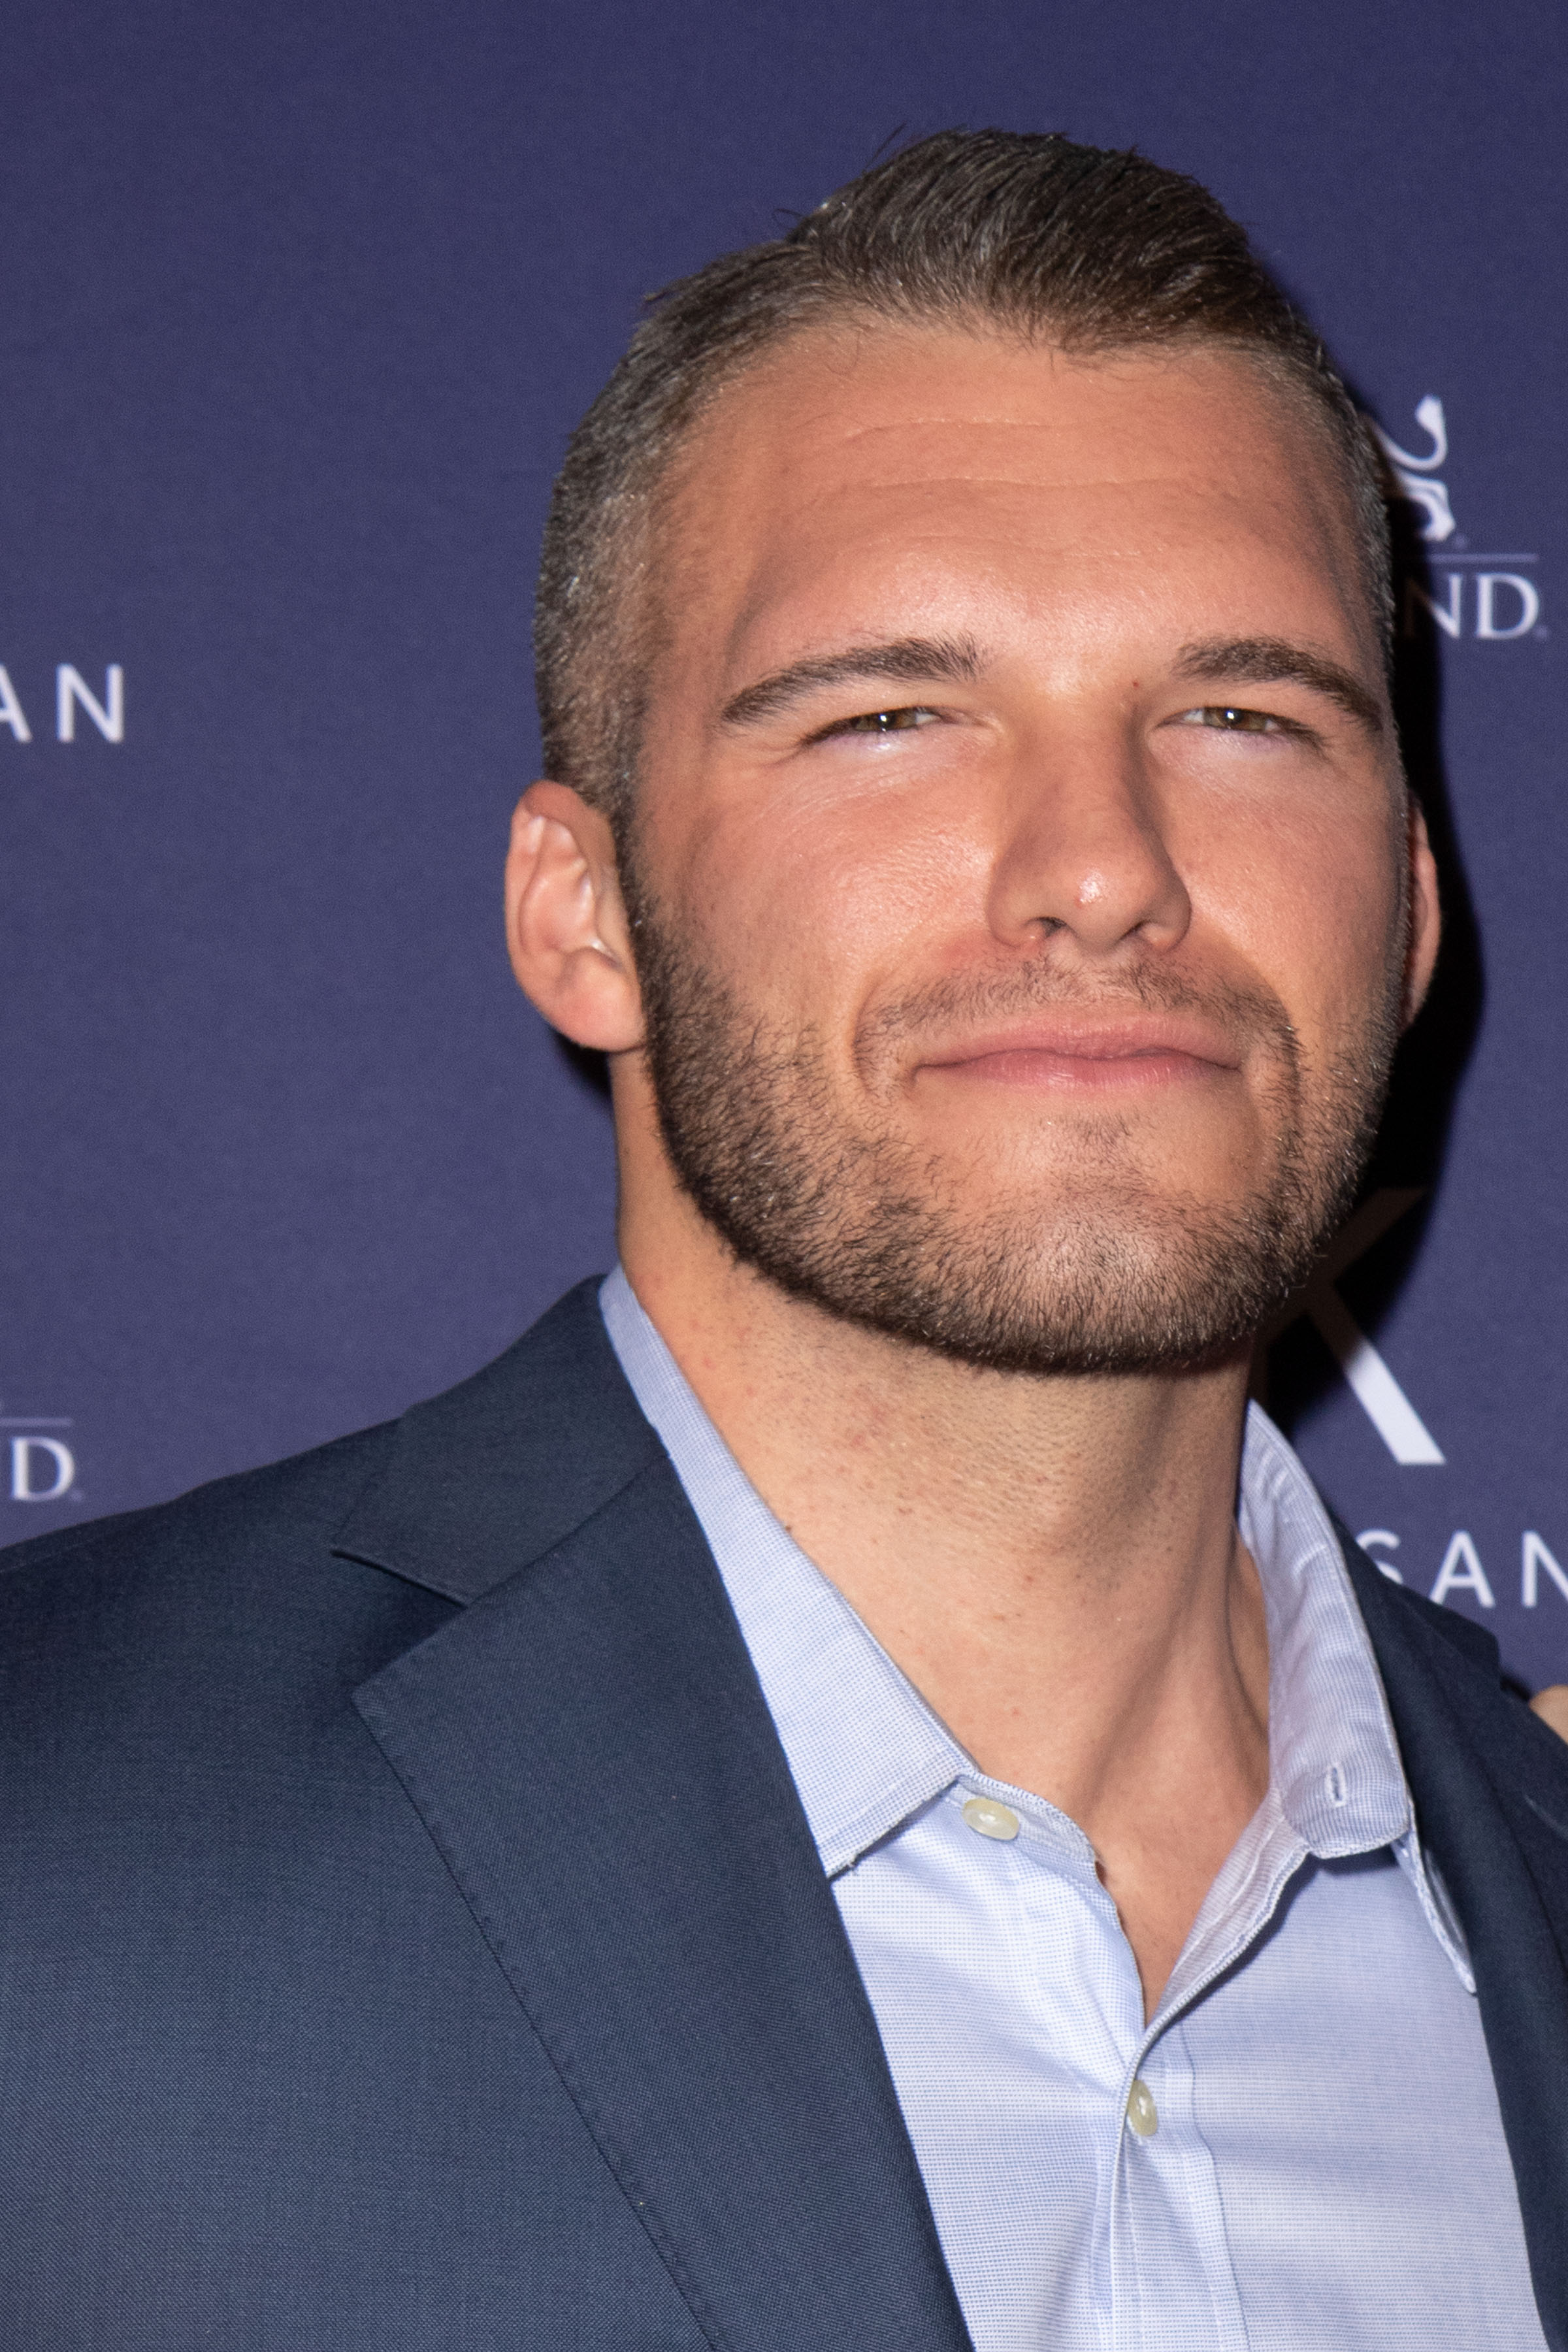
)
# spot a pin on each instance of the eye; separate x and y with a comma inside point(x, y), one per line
point(882, 722)
point(1231, 718)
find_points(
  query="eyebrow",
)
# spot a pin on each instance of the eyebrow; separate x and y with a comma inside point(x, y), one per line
point(906, 661)
point(1273, 661)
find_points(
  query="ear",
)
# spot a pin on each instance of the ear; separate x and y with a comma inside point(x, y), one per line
point(566, 923)
point(1426, 917)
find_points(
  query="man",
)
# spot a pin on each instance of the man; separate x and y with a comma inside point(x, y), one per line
point(843, 1794)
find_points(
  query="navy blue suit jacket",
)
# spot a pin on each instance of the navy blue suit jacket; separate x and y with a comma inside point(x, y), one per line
point(411, 1935)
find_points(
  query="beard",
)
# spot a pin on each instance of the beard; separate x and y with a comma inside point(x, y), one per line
point(1098, 1269)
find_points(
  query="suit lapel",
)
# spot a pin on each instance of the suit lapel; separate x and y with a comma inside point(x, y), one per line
point(590, 1750)
point(1491, 1788)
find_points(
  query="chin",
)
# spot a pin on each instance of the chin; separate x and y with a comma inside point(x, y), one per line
point(1103, 1285)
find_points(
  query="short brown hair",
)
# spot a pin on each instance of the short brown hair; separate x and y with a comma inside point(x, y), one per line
point(1096, 250)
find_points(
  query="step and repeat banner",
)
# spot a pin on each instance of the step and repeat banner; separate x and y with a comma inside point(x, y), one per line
point(300, 305)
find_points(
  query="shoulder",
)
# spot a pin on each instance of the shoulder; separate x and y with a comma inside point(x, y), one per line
point(516, 1405)
point(206, 1567)
point(200, 1625)
point(250, 1511)
point(179, 1682)
point(344, 1552)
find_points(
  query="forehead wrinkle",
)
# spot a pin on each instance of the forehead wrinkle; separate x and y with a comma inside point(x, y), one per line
point(1040, 485)
point(1058, 463)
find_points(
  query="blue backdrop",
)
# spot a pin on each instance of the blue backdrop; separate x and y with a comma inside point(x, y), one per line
point(300, 303)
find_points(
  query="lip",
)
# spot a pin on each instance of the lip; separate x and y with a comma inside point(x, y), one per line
point(1143, 1050)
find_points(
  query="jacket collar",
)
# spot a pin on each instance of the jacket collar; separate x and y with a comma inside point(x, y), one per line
point(482, 1481)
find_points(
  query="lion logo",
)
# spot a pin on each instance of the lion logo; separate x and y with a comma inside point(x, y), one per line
point(1415, 475)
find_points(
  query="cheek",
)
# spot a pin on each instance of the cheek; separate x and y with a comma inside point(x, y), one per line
point(815, 906)
point(1310, 900)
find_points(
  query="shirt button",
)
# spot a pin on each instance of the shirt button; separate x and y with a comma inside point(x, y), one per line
point(1141, 2112)
point(990, 1818)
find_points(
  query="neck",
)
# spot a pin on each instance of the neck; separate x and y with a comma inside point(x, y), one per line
point(1053, 1561)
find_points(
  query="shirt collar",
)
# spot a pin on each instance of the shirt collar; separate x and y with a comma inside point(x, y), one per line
point(866, 1751)
point(1333, 1758)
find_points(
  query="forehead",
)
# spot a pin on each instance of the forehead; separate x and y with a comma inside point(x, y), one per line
point(901, 468)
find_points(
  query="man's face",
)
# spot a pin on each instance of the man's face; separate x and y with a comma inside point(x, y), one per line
point(1020, 848)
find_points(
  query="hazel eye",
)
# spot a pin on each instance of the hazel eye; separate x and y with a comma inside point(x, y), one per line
point(885, 722)
point(1232, 719)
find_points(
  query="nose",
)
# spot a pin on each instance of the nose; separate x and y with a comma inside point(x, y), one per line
point(1083, 856)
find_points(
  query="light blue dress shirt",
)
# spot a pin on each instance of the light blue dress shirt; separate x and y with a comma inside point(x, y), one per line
point(1302, 2147)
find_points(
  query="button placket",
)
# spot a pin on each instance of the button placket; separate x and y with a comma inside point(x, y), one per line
point(1162, 2162)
